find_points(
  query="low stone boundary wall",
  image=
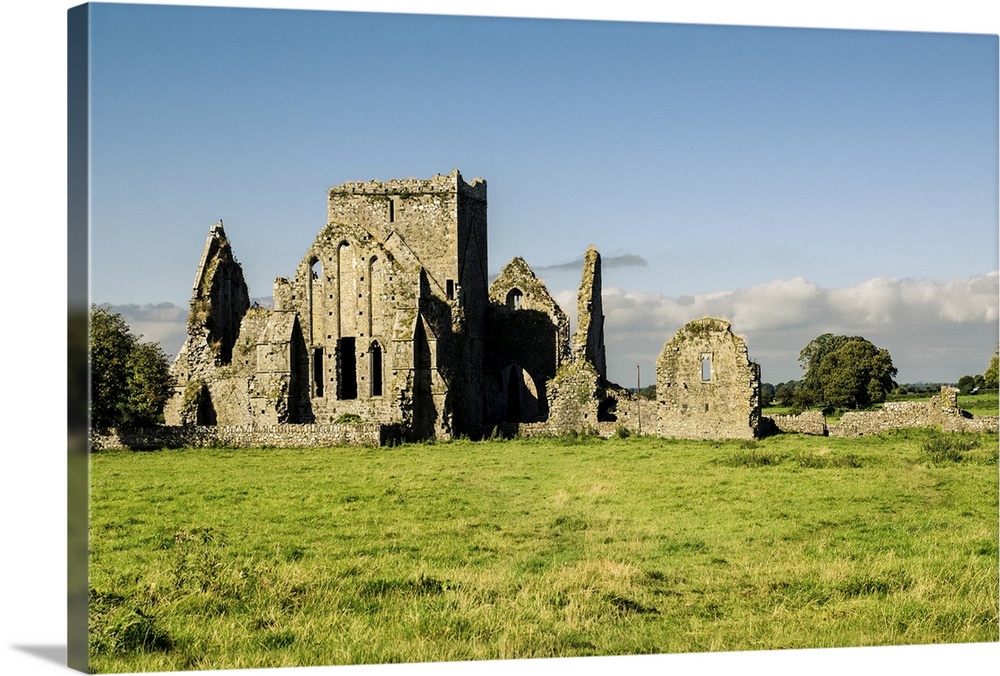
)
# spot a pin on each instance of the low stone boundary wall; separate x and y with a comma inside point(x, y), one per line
point(859, 424)
point(894, 416)
point(246, 436)
point(941, 411)
point(979, 423)
point(807, 422)
point(543, 429)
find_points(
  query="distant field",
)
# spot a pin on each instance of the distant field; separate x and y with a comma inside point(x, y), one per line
point(980, 404)
point(537, 548)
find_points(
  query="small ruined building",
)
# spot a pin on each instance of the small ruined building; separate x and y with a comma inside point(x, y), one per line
point(706, 385)
point(390, 318)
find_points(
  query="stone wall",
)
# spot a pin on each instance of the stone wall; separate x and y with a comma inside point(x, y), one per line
point(807, 422)
point(706, 385)
point(529, 341)
point(588, 342)
point(941, 411)
point(574, 398)
point(219, 301)
point(247, 436)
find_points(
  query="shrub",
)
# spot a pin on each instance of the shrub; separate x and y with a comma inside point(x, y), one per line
point(120, 625)
point(811, 461)
point(750, 456)
point(197, 561)
point(948, 448)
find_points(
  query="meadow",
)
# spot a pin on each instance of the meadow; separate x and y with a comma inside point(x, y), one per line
point(216, 558)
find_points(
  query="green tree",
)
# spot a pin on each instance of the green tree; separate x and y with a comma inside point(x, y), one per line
point(990, 375)
point(966, 384)
point(648, 392)
point(844, 372)
point(784, 393)
point(810, 390)
point(767, 391)
point(130, 380)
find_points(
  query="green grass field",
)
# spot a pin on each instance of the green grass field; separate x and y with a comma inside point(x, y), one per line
point(537, 548)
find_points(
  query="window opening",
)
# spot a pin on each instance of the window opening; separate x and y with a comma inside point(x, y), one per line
point(348, 383)
point(392, 210)
point(375, 355)
point(318, 371)
point(514, 299)
point(450, 287)
point(706, 368)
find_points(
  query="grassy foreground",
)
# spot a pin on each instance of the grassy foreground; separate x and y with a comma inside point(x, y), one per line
point(536, 548)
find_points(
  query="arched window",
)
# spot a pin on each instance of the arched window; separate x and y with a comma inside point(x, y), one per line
point(373, 287)
point(348, 371)
point(318, 371)
point(514, 299)
point(375, 355)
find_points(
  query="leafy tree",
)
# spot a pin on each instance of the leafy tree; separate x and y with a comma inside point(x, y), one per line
point(767, 391)
point(784, 393)
point(990, 375)
point(844, 372)
point(810, 390)
point(130, 380)
point(966, 384)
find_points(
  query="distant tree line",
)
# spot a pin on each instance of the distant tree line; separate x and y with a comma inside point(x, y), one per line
point(848, 372)
point(987, 380)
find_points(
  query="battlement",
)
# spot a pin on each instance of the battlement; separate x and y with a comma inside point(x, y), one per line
point(438, 184)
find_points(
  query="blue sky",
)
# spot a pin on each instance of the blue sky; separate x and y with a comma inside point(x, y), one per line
point(705, 162)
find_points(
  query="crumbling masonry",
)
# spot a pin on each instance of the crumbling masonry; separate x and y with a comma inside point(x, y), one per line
point(390, 318)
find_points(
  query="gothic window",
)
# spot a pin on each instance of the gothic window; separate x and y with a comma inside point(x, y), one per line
point(347, 376)
point(318, 371)
point(514, 299)
point(375, 356)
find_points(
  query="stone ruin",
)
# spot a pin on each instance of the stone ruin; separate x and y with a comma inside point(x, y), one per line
point(942, 411)
point(706, 385)
point(390, 318)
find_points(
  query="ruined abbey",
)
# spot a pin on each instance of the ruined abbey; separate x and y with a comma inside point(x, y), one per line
point(391, 318)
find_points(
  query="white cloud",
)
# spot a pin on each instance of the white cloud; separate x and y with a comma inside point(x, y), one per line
point(163, 323)
point(935, 330)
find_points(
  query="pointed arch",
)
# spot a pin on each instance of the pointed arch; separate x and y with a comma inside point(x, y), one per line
point(515, 298)
point(343, 289)
point(375, 368)
point(372, 287)
point(314, 289)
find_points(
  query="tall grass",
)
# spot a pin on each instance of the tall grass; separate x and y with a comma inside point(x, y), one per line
point(535, 548)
